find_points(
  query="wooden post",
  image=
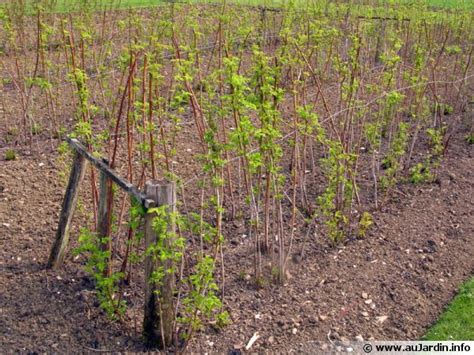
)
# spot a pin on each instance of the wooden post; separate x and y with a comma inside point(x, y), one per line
point(159, 310)
point(105, 215)
point(104, 167)
point(263, 13)
point(58, 250)
point(380, 41)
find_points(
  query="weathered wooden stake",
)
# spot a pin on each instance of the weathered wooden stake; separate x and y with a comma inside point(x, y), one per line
point(105, 215)
point(58, 250)
point(103, 167)
point(159, 310)
point(379, 44)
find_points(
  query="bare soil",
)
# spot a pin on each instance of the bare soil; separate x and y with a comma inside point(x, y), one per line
point(392, 284)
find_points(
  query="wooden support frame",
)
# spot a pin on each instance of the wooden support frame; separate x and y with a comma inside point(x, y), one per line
point(158, 322)
point(58, 250)
point(110, 173)
point(107, 176)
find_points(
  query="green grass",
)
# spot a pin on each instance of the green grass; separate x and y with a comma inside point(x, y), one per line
point(457, 322)
point(450, 4)
point(71, 5)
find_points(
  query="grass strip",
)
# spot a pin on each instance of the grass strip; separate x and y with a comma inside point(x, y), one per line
point(457, 321)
